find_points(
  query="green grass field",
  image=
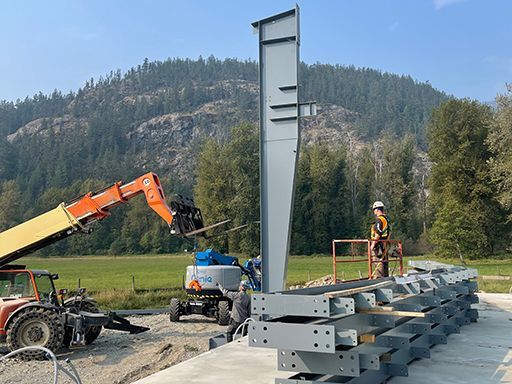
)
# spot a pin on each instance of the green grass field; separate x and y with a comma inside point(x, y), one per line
point(159, 277)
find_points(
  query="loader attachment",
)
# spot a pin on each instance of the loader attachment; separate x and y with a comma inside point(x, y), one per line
point(187, 218)
point(121, 324)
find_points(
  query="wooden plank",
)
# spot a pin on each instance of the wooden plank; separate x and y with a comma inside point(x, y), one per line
point(391, 312)
point(367, 338)
point(348, 292)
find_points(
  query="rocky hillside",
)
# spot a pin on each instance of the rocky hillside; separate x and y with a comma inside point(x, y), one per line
point(157, 115)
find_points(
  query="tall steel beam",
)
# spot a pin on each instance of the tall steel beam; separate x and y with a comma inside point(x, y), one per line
point(279, 139)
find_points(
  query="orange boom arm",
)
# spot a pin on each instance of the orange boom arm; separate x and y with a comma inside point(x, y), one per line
point(97, 206)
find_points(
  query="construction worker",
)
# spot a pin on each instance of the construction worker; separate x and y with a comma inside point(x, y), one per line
point(380, 230)
point(241, 307)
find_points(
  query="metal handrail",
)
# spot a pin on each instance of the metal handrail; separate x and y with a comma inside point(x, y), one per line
point(367, 256)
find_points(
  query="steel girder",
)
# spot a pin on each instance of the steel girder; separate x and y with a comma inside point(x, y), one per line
point(363, 332)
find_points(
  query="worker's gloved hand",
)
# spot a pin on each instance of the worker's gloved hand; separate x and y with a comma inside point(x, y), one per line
point(220, 286)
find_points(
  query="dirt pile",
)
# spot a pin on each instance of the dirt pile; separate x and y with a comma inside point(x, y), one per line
point(324, 280)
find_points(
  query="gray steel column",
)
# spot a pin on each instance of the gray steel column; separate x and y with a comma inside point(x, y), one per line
point(279, 139)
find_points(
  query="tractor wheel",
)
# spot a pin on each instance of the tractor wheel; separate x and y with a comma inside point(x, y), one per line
point(36, 326)
point(93, 332)
point(223, 314)
point(175, 310)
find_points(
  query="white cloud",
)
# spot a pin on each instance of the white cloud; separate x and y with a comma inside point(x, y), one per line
point(438, 4)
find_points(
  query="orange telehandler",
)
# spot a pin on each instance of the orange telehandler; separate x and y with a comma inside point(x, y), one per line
point(31, 311)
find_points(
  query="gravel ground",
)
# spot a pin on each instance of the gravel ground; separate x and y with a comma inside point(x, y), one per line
point(121, 358)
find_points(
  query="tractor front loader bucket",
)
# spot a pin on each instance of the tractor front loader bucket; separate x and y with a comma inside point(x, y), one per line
point(187, 217)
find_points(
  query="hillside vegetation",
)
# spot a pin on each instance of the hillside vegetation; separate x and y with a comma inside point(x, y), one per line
point(194, 122)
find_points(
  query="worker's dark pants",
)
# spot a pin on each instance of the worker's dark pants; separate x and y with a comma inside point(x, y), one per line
point(232, 327)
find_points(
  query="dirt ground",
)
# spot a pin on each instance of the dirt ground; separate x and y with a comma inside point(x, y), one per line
point(121, 358)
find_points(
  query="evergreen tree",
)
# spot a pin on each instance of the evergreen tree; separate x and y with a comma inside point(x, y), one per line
point(466, 213)
point(10, 212)
point(213, 191)
point(399, 187)
point(242, 152)
point(500, 142)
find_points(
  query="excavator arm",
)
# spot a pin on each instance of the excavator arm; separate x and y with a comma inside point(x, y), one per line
point(68, 218)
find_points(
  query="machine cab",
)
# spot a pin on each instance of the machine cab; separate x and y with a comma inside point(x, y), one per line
point(26, 284)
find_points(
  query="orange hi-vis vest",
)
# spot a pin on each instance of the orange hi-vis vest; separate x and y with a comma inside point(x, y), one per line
point(380, 227)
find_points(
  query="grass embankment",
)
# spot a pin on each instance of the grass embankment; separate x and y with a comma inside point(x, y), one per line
point(159, 277)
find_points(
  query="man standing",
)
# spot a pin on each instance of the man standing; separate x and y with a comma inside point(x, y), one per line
point(241, 307)
point(380, 230)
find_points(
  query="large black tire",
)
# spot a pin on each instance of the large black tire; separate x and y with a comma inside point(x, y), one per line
point(175, 310)
point(35, 326)
point(93, 332)
point(223, 314)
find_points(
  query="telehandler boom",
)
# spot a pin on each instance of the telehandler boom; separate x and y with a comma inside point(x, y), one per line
point(31, 312)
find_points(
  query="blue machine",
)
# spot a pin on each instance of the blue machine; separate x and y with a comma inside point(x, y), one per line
point(251, 268)
point(210, 268)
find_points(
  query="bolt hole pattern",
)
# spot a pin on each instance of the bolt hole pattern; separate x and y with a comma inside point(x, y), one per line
point(316, 345)
point(293, 353)
point(315, 331)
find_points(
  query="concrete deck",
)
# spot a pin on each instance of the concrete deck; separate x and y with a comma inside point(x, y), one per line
point(481, 353)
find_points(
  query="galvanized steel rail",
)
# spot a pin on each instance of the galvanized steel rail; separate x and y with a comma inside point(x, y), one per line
point(367, 331)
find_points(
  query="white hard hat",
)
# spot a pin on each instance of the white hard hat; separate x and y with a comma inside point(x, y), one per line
point(378, 204)
point(244, 284)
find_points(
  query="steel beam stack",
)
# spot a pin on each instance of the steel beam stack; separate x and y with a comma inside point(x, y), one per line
point(365, 331)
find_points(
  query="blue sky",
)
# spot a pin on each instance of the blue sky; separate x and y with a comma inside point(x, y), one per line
point(462, 47)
